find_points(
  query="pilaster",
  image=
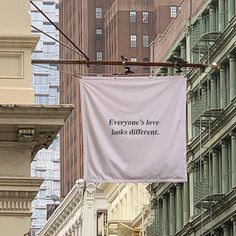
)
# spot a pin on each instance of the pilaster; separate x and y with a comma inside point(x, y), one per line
point(213, 92)
point(223, 98)
point(165, 215)
point(221, 15)
point(233, 156)
point(179, 207)
point(212, 17)
point(215, 170)
point(172, 216)
point(231, 9)
point(225, 167)
point(232, 75)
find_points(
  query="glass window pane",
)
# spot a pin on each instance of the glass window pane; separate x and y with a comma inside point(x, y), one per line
point(132, 16)
point(145, 41)
point(173, 11)
point(133, 40)
point(145, 17)
point(98, 13)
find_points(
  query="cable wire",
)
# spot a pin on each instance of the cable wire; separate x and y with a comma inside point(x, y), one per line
point(87, 58)
point(58, 41)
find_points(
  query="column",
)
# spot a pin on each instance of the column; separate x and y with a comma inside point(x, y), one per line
point(225, 166)
point(225, 230)
point(170, 71)
point(186, 202)
point(234, 225)
point(231, 8)
point(233, 156)
point(191, 189)
point(183, 50)
point(76, 231)
point(204, 97)
point(165, 216)
point(172, 213)
point(195, 179)
point(221, 14)
point(179, 207)
point(210, 173)
point(205, 175)
point(212, 18)
point(215, 171)
point(232, 76)
point(223, 95)
point(189, 114)
point(213, 92)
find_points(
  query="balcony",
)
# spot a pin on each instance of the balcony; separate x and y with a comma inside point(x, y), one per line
point(204, 36)
point(203, 196)
point(203, 114)
point(153, 229)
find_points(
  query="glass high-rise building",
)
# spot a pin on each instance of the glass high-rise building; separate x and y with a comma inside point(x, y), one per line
point(46, 164)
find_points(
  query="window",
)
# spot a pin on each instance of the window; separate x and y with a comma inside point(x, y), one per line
point(133, 59)
point(146, 41)
point(98, 13)
point(99, 56)
point(49, 7)
point(145, 17)
point(132, 16)
point(98, 33)
point(173, 11)
point(133, 40)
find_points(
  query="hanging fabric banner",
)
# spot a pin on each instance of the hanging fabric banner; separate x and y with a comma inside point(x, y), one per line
point(134, 129)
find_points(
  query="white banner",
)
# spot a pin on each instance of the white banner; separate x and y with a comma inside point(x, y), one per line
point(134, 129)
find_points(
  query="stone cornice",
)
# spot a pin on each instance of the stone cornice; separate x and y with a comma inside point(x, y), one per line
point(71, 203)
point(21, 183)
point(31, 126)
point(16, 41)
point(16, 195)
point(34, 111)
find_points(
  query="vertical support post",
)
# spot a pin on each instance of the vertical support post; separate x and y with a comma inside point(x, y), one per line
point(233, 156)
point(232, 75)
point(213, 92)
point(179, 207)
point(212, 17)
point(231, 9)
point(210, 172)
point(165, 216)
point(186, 202)
point(225, 230)
point(172, 213)
point(205, 176)
point(223, 95)
point(215, 170)
point(221, 14)
point(225, 165)
point(234, 225)
point(189, 114)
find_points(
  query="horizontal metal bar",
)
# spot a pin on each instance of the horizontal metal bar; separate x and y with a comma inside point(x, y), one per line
point(115, 63)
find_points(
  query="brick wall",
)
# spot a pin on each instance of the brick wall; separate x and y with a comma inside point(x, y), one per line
point(163, 43)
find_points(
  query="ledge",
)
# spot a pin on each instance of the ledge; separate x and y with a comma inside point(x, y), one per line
point(16, 41)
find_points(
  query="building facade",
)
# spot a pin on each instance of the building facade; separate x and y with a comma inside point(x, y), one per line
point(46, 164)
point(82, 212)
point(25, 128)
point(202, 32)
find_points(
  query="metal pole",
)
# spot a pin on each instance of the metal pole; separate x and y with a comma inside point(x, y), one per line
point(115, 63)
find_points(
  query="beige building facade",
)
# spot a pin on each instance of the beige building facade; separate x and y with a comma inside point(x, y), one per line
point(24, 128)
